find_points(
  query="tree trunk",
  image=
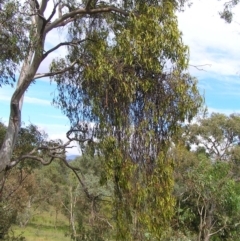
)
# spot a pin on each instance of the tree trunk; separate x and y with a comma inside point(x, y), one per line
point(207, 238)
point(72, 216)
point(31, 63)
point(27, 74)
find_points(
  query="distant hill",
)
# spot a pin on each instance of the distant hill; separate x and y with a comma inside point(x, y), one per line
point(72, 157)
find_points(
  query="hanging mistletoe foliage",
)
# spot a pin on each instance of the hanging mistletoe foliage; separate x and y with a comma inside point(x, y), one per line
point(129, 92)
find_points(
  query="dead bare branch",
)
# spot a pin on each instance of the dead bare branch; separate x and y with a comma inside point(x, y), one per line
point(52, 151)
point(219, 230)
point(81, 181)
point(106, 221)
point(53, 12)
point(30, 157)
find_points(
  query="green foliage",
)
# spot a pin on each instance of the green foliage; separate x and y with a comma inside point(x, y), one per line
point(121, 78)
point(130, 200)
point(142, 201)
point(12, 193)
point(122, 86)
point(218, 134)
point(13, 40)
point(8, 217)
point(30, 138)
point(206, 180)
point(128, 93)
point(208, 197)
point(92, 212)
point(227, 13)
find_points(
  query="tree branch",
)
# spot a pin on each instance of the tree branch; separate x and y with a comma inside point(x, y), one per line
point(38, 75)
point(198, 66)
point(220, 229)
point(106, 221)
point(82, 11)
point(82, 132)
point(56, 151)
point(71, 43)
point(43, 6)
point(85, 189)
point(53, 12)
point(32, 157)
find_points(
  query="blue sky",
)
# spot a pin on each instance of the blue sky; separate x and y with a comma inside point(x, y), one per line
point(214, 47)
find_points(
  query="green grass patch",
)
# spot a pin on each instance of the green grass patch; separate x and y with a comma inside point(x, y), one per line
point(45, 227)
point(42, 233)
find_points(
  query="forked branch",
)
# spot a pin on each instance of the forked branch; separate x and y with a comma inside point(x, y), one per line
point(44, 154)
point(83, 11)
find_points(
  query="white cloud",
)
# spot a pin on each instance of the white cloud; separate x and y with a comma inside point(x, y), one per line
point(62, 117)
point(5, 98)
point(27, 99)
point(33, 100)
point(210, 39)
point(224, 111)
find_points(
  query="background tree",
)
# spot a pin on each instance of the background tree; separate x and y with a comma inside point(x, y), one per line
point(92, 213)
point(218, 134)
point(19, 183)
point(208, 199)
point(206, 180)
point(227, 13)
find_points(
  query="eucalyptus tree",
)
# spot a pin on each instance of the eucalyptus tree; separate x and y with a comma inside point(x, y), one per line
point(135, 39)
point(124, 86)
point(218, 134)
point(207, 178)
point(207, 197)
point(19, 183)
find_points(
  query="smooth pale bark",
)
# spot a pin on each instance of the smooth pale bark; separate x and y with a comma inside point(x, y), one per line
point(25, 79)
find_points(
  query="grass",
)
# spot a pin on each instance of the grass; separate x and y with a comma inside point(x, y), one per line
point(42, 228)
point(41, 234)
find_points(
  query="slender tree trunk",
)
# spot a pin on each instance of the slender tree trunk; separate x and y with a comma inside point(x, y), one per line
point(72, 216)
point(28, 71)
point(207, 238)
point(14, 123)
point(56, 218)
point(29, 68)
